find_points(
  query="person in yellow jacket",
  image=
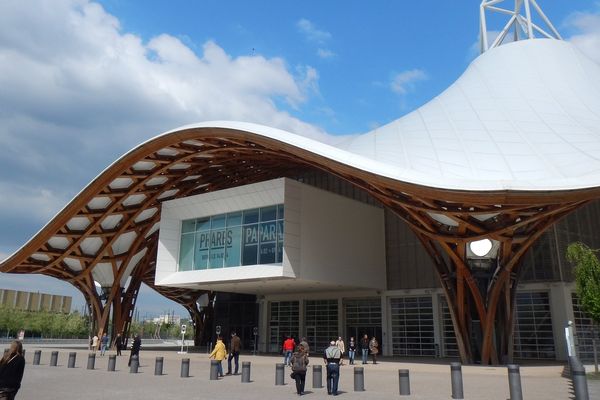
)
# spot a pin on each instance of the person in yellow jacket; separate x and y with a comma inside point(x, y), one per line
point(219, 353)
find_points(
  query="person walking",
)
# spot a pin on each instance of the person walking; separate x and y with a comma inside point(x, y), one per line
point(119, 343)
point(235, 345)
point(288, 348)
point(351, 350)
point(299, 362)
point(364, 348)
point(332, 357)
point(103, 344)
point(342, 346)
point(12, 367)
point(219, 353)
point(95, 340)
point(374, 349)
point(135, 348)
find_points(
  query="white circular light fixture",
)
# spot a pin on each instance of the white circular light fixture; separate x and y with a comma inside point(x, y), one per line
point(481, 247)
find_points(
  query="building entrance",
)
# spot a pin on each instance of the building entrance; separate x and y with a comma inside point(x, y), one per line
point(363, 316)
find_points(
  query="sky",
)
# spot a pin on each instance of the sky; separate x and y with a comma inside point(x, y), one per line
point(82, 82)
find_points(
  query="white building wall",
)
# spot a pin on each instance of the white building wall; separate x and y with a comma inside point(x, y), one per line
point(330, 241)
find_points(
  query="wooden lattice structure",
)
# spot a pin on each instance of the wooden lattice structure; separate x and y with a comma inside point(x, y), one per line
point(198, 160)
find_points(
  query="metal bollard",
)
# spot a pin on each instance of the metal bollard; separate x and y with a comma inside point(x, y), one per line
point(185, 368)
point(112, 363)
point(36, 357)
point(457, 382)
point(158, 366)
point(214, 370)
point(5, 352)
point(54, 359)
point(514, 382)
point(580, 386)
point(72, 358)
point(91, 364)
point(279, 374)
point(135, 364)
point(246, 371)
point(404, 382)
point(359, 379)
point(317, 376)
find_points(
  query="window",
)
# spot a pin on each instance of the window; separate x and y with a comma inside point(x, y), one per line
point(234, 239)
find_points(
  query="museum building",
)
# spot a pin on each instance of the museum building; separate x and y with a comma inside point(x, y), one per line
point(442, 233)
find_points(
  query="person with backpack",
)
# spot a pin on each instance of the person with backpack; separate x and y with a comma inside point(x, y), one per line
point(299, 361)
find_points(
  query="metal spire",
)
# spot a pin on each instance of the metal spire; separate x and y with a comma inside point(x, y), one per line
point(520, 23)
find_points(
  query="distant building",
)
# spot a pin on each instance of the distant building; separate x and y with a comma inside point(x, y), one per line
point(167, 319)
point(35, 301)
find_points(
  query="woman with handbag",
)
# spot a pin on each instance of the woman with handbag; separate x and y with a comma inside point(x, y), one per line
point(12, 366)
point(299, 362)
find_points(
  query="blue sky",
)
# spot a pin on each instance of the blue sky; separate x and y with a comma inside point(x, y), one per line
point(88, 81)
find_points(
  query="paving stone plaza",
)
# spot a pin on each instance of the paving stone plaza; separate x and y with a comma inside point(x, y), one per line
point(429, 379)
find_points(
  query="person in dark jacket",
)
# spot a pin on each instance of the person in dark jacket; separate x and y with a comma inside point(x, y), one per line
point(364, 348)
point(135, 348)
point(299, 362)
point(119, 343)
point(12, 366)
point(235, 345)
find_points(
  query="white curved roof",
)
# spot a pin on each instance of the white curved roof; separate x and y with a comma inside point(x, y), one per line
point(524, 116)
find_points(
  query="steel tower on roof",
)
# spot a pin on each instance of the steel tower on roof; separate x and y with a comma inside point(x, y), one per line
point(520, 23)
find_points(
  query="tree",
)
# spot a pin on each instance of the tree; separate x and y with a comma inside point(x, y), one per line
point(587, 278)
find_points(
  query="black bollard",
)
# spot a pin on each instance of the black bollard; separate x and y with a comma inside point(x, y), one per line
point(91, 364)
point(214, 370)
point(112, 362)
point(23, 353)
point(246, 371)
point(158, 366)
point(359, 379)
point(185, 368)
point(514, 382)
point(580, 386)
point(135, 364)
point(279, 375)
point(317, 376)
point(457, 382)
point(36, 357)
point(404, 382)
point(54, 359)
point(72, 358)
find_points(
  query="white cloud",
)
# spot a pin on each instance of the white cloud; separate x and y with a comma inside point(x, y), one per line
point(325, 53)
point(77, 92)
point(586, 26)
point(311, 32)
point(405, 81)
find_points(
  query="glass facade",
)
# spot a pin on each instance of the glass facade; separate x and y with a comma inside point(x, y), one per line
point(584, 331)
point(320, 323)
point(412, 326)
point(248, 237)
point(283, 321)
point(533, 326)
point(449, 344)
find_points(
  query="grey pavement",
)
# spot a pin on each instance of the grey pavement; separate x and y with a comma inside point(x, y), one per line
point(428, 381)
